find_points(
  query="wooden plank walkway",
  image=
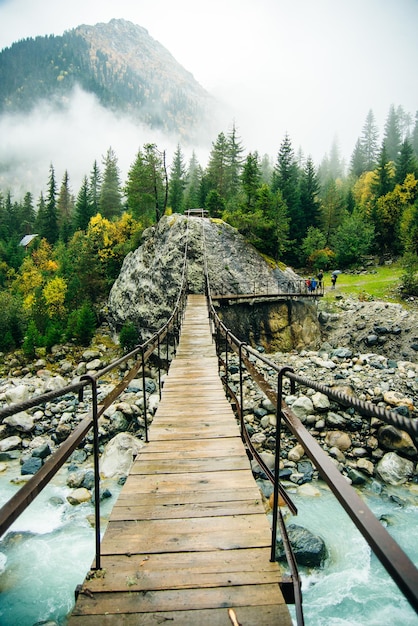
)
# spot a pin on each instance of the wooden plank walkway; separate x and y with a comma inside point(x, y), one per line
point(188, 537)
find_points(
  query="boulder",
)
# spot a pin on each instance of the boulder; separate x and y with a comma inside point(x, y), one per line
point(119, 455)
point(78, 496)
point(302, 407)
point(392, 438)
point(394, 470)
point(310, 550)
point(338, 439)
point(22, 422)
point(10, 443)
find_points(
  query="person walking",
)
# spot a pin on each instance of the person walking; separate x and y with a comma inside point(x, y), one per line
point(333, 279)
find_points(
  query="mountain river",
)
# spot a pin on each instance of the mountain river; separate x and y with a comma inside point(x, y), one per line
point(50, 548)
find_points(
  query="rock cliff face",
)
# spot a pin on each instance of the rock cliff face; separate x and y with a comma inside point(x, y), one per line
point(150, 278)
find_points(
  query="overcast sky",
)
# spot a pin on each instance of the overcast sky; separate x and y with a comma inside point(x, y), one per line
point(311, 68)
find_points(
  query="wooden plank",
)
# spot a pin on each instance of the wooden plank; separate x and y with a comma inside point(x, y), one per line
point(175, 599)
point(188, 536)
point(246, 615)
point(135, 511)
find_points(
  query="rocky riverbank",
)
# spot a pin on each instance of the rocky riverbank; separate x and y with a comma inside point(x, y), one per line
point(369, 453)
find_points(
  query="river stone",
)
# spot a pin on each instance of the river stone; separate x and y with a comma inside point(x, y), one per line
point(41, 452)
point(18, 393)
point(22, 422)
point(75, 479)
point(392, 438)
point(394, 469)
point(302, 407)
point(10, 443)
point(31, 466)
point(394, 398)
point(296, 453)
point(78, 496)
point(307, 489)
point(338, 439)
point(365, 466)
point(320, 401)
point(310, 550)
point(119, 455)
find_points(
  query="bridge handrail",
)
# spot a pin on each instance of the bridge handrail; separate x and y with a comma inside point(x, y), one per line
point(401, 569)
point(33, 487)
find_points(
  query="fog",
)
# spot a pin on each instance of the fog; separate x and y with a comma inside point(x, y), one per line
point(309, 68)
point(70, 139)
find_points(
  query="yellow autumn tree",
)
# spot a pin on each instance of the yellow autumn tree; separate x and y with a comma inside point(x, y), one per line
point(54, 295)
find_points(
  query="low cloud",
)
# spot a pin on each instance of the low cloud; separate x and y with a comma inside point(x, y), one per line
point(70, 138)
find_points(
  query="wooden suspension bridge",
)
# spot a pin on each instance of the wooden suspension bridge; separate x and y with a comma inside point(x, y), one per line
point(188, 541)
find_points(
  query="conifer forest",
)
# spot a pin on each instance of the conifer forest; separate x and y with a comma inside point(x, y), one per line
point(61, 252)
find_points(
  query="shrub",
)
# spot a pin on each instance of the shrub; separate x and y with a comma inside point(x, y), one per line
point(82, 324)
point(128, 336)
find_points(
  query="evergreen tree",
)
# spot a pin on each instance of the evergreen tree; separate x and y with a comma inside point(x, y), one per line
point(392, 136)
point(65, 208)
point(309, 192)
point(217, 169)
point(177, 182)
point(110, 192)
point(331, 211)
point(369, 142)
point(251, 179)
point(95, 189)
point(40, 215)
point(358, 160)
point(266, 169)
point(234, 163)
point(50, 226)
point(407, 162)
point(147, 187)
point(192, 184)
point(286, 179)
point(28, 214)
point(414, 138)
point(83, 207)
point(383, 182)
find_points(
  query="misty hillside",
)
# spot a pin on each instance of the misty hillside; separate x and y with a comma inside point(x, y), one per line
point(119, 62)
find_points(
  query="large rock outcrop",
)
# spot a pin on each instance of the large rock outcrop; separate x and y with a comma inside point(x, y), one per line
point(150, 278)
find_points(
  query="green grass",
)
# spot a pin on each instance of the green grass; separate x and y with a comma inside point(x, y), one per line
point(379, 283)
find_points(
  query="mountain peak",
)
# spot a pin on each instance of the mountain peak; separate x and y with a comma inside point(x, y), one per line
point(128, 71)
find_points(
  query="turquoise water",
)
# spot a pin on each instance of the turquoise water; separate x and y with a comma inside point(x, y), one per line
point(45, 555)
point(353, 589)
point(52, 547)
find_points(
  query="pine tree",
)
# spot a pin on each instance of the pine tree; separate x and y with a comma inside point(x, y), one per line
point(28, 214)
point(110, 192)
point(251, 179)
point(50, 227)
point(193, 180)
point(331, 211)
point(383, 182)
point(369, 142)
point(358, 160)
point(147, 186)
point(83, 208)
point(94, 189)
point(234, 163)
point(286, 179)
point(309, 192)
point(177, 182)
point(407, 162)
point(40, 215)
point(217, 169)
point(65, 208)
point(392, 136)
point(414, 138)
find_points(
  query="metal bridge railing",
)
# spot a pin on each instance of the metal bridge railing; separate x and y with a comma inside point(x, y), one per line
point(401, 569)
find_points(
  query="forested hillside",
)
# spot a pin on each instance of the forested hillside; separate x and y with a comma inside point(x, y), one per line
point(119, 62)
point(296, 212)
